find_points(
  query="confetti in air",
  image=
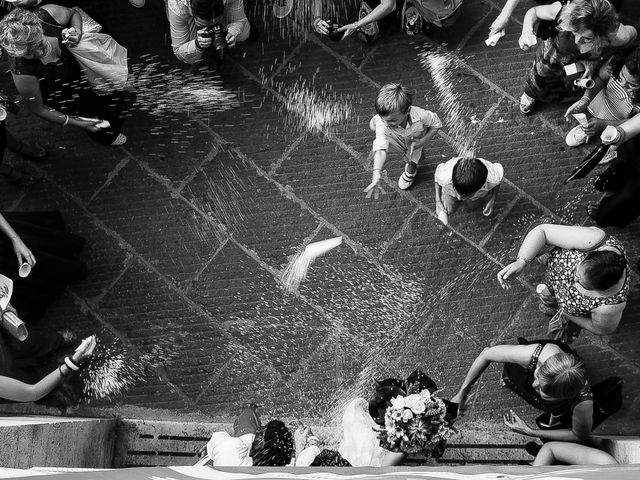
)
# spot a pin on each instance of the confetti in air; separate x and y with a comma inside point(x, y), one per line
point(222, 202)
point(109, 377)
point(296, 271)
point(294, 19)
point(161, 90)
point(462, 132)
point(315, 110)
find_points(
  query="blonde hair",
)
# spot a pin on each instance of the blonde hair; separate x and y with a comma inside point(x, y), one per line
point(563, 376)
point(599, 16)
point(21, 35)
point(393, 98)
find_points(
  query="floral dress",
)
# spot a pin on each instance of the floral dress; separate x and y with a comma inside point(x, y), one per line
point(560, 279)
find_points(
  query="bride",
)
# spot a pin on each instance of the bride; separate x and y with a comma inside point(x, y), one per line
point(363, 425)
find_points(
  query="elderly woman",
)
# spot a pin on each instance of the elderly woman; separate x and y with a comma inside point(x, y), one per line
point(547, 375)
point(587, 275)
point(190, 22)
point(585, 31)
point(49, 78)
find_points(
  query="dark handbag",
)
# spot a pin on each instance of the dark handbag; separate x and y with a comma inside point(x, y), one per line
point(613, 178)
point(607, 399)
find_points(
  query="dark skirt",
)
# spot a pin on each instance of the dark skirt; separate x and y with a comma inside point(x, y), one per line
point(56, 267)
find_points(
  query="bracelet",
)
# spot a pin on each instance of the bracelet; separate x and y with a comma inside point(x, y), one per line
point(622, 134)
point(584, 97)
point(66, 120)
point(377, 169)
point(71, 364)
point(525, 260)
point(64, 375)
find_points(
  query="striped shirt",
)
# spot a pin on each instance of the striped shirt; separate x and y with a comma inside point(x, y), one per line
point(613, 102)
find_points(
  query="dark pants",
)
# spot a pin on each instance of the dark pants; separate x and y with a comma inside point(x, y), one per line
point(621, 181)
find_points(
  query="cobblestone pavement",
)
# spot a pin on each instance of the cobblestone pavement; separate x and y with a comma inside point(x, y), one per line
point(190, 224)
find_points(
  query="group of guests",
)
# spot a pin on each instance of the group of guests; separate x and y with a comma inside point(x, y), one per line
point(587, 282)
point(588, 275)
point(38, 255)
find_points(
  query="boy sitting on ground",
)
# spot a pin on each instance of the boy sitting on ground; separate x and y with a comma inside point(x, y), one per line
point(473, 181)
point(403, 128)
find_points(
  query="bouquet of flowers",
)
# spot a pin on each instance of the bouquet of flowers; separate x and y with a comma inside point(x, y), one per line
point(416, 424)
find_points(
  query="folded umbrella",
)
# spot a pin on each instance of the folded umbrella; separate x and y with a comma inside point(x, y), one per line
point(589, 163)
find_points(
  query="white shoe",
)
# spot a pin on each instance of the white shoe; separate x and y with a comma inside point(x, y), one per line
point(406, 179)
point(138, 3)
point(576, 137)
point(121, 139)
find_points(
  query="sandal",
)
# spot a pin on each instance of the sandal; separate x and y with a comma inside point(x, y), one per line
point(34, 150)
point(546, 309)
point(17, 177)
point(526, 103)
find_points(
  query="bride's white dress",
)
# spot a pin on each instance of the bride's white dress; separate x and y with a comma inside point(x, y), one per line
point(360, 445)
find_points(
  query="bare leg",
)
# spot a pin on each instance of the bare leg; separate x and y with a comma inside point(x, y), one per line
point(569, 453)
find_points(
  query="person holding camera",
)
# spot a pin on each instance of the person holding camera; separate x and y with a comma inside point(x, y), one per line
point(581, 32)
point(194, 23)
point(374, 15)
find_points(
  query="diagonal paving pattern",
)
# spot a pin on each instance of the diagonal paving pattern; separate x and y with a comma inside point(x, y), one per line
point(192, 293)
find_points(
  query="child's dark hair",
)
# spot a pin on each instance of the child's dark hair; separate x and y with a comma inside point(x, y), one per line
point(207, 9)
point(393, 98)
point(630, 58)
point(272, 445)
point(603, 269)
point(381, 398)
point(469, 175)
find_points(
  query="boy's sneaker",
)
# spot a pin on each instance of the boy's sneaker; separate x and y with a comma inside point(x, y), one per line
point(406, 179)
point(527, 103)
point(576, 137)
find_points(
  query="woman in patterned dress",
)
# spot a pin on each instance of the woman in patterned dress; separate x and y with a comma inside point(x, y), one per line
point(587, 275)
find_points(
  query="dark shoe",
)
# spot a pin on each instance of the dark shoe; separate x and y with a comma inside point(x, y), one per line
point(17, 177)
point(532, 448)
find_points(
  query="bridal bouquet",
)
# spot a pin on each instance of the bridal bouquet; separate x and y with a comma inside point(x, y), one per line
point(416, 424)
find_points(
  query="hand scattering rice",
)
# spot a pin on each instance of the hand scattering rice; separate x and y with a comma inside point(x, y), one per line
point(296, 270)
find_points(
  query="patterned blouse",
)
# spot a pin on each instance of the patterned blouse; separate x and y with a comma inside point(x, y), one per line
point(561, 279)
